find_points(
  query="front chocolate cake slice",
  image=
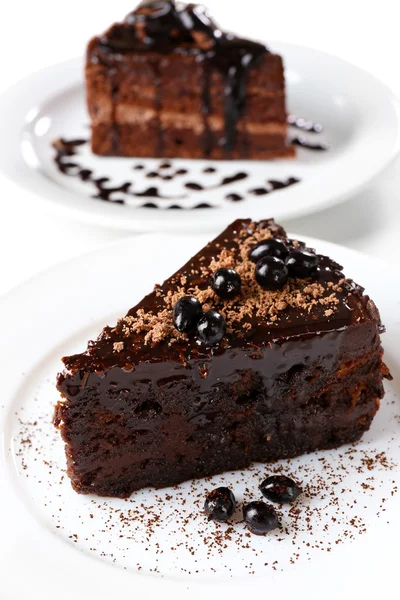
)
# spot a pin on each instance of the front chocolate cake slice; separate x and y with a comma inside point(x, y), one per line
point(281, 356)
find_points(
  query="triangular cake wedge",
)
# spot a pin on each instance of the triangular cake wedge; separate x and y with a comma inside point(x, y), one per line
point(298, 369)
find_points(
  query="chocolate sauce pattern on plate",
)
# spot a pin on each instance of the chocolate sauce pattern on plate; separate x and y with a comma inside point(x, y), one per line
point(67, 149)
point(304, 142)
point(64, 159)
point(272, 185)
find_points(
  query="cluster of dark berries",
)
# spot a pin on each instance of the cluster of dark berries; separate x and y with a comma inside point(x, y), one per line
point(189, 317)
point(275, 262)
point(259, 517)
point(210, 326)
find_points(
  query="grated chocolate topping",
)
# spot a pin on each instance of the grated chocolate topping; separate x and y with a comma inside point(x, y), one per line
point(304, 295)
point(255, 319)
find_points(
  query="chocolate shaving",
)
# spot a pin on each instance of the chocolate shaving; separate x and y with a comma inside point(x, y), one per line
point(268, 306)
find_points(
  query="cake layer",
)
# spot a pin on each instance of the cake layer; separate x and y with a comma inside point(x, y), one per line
point(174, 71)
point(267, 108)
point(119, 443)
point(173, 142)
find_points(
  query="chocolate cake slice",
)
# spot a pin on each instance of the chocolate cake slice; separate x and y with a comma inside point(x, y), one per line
point(168, 82)
point(257, 349)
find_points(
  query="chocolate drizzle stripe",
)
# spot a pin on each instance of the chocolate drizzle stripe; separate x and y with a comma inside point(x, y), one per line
point(114, 102)
point(157, 108)
point(303, 142)
point(206, 109)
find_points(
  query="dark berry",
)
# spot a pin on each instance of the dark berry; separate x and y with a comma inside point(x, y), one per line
point(186, 314)
point(211, 328)
point(260, 517)
point(281, 489)
point(272, 247)
point(302, 263)
point(271, 273)
point(220, 504)
point(226, 283)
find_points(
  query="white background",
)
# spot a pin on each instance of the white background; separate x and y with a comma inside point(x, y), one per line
point(42, 32)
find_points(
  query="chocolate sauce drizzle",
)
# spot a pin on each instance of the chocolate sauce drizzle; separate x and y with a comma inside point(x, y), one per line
point(272, 185)
point(303, 142)
point(66, 149)
point(234, 197)
point(163, 26)
point(197, 187)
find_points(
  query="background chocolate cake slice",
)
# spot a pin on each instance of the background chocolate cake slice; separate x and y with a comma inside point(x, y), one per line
point(168, 82)
point(274, 356)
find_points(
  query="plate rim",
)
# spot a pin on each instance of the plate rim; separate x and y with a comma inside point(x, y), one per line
point(110, 577)
point(31, 181)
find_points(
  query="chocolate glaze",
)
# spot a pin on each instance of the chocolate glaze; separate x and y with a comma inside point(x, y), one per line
point(114, 97)
point(270, 394)
point(313, 331)
point(163, 26)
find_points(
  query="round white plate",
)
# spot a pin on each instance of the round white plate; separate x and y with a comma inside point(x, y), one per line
point(348, 522)
point(360, 116)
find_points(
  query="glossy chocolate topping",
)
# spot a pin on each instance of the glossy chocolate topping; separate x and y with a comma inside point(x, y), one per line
point(317, 329)
point(167, 26)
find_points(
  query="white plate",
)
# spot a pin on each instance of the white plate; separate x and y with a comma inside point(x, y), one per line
point(47, 532)
point(360, 116)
